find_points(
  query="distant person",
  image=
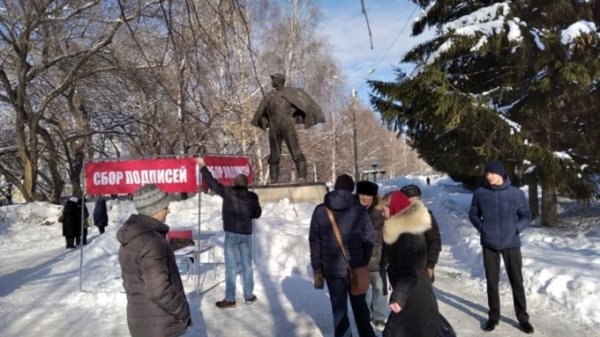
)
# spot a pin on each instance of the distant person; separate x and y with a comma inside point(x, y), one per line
point(71, 222)
point(432, 235)
point(100, 214)
point(326, 256)
point(413, 306)
point(240, 208)
point(428, 181)
point(500, 212)
point(378, 301)
point(156, 301)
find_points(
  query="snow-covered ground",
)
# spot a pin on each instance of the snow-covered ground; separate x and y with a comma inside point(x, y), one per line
point(40, 279)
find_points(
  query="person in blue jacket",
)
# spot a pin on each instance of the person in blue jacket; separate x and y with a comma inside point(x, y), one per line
point(328, 262)
point(500, 212)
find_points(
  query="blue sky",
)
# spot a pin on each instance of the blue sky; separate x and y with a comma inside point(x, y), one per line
point(343, 23)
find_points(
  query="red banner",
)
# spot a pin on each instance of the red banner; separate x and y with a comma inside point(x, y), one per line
point(225, 168)
point(124, 177)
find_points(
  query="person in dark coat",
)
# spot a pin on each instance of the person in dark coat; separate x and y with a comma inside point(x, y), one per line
point(326, 256)
point(156, 301)
point(71, 222)
point(366, 192)
point(432, 235)
point(280, 110)
point(100, 214)
point(500, 212)
point(414, 309)
point(240, 208)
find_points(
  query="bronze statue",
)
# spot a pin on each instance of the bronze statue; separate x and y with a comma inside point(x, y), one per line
point(279, 111)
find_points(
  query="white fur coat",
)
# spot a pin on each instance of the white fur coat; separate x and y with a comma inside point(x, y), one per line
point(415, 219)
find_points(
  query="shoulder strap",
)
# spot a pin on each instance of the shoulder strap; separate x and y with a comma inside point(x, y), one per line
point(338, 236)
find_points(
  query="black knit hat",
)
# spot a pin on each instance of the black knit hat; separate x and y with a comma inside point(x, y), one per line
point(366, 187)
point(495, 167)
point(344, 182)
point(411, 191)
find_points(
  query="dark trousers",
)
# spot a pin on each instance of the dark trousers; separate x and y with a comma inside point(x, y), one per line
point(513, 265)
point(283, 129)
point(70, 240)
point(78, 237)
point(339, 290)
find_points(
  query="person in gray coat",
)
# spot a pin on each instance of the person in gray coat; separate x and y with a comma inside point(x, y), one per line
point(156, 301)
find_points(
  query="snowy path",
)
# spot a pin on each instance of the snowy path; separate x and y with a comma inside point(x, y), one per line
point(288, 307)
point(39, 279)
point(293, 308)
point(465, 307)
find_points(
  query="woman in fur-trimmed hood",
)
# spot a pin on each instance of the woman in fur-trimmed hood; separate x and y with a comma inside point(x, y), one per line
point(414, 310)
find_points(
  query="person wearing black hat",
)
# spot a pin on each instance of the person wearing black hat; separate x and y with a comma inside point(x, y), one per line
point(156, 301)
point(240, 208)
point(326, 258)
point(500, 212)
point(280, 110)
point(432, 235)
point(366, 192)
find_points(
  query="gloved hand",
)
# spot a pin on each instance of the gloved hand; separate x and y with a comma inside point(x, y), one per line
point(319, 282)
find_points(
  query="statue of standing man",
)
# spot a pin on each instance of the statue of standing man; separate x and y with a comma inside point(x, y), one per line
point(280, 110)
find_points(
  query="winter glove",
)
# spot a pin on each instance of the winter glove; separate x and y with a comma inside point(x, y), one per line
point(430, 274)
point(318, 279)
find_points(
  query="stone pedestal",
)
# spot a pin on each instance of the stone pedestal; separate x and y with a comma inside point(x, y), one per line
point(295, 192)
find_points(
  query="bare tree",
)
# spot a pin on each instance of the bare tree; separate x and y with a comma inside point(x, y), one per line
point(46, 44)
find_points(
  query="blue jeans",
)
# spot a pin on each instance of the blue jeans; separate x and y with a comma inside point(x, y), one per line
point(238, 249)
point(376, 300)
point(339, 290)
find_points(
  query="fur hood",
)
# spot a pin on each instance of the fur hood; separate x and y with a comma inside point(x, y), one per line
point(415, 219)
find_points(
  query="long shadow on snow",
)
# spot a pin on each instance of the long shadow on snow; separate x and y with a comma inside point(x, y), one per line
point(282, 327)
point(317, 307)
point(11, 282)
point(475, 310)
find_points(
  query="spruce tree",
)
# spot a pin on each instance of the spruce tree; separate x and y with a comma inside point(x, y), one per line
point(514, 81)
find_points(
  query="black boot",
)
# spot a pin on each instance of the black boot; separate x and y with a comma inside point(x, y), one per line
point(274, 173)
point(301, 170)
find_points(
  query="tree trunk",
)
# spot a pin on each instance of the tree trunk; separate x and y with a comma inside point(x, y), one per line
point(533, 198)
point(549, 218)
point(29, 176)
